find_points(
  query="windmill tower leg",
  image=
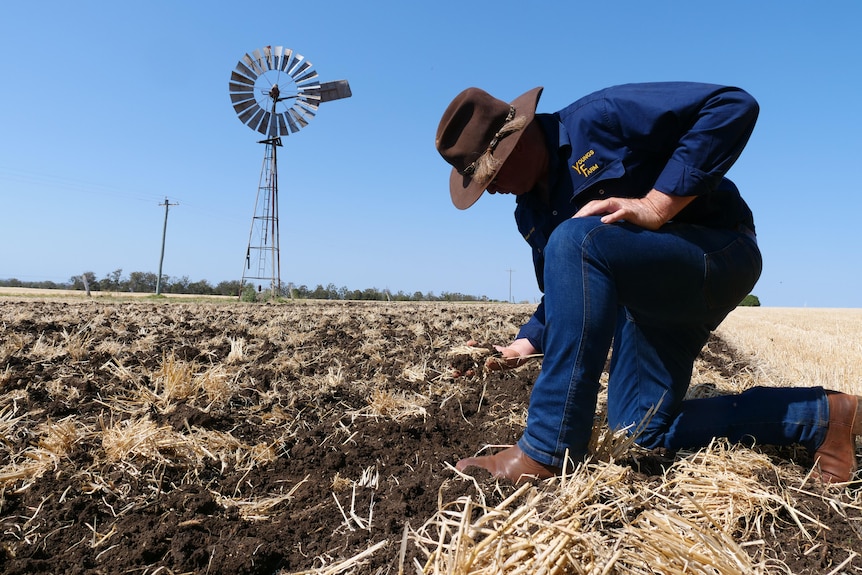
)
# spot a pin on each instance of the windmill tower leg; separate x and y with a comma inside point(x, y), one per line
point(262, 259)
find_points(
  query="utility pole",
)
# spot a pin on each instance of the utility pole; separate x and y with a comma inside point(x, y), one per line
point(510, 286)
point(162, 258)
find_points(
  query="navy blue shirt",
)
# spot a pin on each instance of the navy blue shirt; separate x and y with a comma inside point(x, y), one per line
point(677, 137)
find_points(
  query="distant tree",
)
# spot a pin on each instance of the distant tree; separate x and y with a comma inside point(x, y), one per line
point(372, 294)
point(78, 283)
point(180, 285)
point(248, 293)
point(330, 292)
point(111, 282)
point(318, 293)
point(750, 300)
point(227, 288)
point(167, 281)
point(142, 282)
point(200, 287)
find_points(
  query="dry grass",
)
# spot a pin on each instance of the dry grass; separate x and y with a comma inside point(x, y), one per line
point(698, 518)
point(596, 520)
point(800, 346)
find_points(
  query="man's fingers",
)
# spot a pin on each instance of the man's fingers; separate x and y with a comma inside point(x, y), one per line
point(496, 364)
point(592, 208)
point(500, 363)
point(614, 216)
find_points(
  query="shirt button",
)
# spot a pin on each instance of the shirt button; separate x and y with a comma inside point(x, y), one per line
point(601, 192)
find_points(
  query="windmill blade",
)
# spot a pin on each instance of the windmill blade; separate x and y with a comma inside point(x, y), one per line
point(245, 116)
point(310, 95)
point(240, 95)
point(298, 60)
point(276, 57)
point(291, 124)
point(272, 129)
point(300, 68)
point(241, 80)
point(298, 118)
point(244, 70)
point(251, 63)
point(263, 128)
point(282, 125)
point(254, 123)
point(245, 105)
point(286, 60)
point(237, 88)
point(258, 60)
point(236, 97)
point(306, 108)
point(307, 77)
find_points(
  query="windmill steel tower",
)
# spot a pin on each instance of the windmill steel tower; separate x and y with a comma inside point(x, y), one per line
point(274, 91)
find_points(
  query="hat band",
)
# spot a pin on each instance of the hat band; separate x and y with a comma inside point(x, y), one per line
point(495, 141)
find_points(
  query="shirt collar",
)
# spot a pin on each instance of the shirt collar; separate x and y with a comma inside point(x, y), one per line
point(556, 138)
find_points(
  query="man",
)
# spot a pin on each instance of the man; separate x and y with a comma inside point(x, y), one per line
point(638, 241)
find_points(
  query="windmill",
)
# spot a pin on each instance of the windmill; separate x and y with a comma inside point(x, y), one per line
point(276, 92)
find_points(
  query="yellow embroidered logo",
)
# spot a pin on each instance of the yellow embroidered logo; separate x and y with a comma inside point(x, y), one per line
point(582, 167)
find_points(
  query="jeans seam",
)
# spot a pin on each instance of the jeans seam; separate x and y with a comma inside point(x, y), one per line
point(577, 366)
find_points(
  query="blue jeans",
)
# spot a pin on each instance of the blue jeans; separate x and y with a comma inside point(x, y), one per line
point(656, 295)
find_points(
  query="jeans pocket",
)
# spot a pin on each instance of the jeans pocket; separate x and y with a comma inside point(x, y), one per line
point(730, 273)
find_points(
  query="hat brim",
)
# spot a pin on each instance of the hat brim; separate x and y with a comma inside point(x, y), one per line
point(463, 189)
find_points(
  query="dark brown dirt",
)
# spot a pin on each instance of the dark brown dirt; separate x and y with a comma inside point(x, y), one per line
point(89, 514)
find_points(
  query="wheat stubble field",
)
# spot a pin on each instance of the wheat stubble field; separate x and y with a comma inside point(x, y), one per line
point(142, 436)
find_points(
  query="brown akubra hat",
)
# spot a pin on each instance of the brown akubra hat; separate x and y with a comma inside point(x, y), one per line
point(471, 127)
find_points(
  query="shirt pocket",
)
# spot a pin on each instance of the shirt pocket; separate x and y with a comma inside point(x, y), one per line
point(608, 181)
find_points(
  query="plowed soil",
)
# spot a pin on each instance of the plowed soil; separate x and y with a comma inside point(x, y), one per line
point(168, 437)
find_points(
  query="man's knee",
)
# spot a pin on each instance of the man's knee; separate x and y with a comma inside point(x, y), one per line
point(571, 236)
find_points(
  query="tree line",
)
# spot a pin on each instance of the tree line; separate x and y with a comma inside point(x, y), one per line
point(146, 282)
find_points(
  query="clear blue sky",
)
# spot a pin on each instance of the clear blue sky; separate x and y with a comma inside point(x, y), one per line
point(110, 107)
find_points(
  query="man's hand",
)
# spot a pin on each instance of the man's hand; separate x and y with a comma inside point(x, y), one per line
point(651, 211)
point(513, 355)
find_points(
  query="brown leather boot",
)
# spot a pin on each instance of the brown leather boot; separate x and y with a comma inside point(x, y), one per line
point(836, 456)
point(512, 464)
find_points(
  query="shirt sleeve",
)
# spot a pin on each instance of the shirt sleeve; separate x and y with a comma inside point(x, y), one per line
point(700, 128)
point(533, 330)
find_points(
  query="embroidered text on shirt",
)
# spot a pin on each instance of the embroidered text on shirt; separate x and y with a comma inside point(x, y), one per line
point(581, 166)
